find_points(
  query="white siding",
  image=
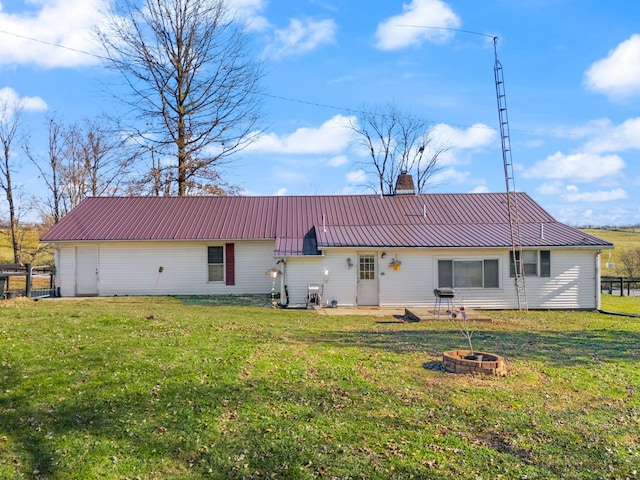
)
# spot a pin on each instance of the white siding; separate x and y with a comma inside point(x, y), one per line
point(412, 285)
point(133, 268)
point(129, 268)
point(338, 285)
point(572, 283)
point(66, 270)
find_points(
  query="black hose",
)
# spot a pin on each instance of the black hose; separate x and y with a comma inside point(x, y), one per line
point(619, 314)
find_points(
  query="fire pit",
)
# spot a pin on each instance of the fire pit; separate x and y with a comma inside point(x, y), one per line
point(462, 361)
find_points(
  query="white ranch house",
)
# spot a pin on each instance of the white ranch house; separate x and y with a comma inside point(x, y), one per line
point(347, 244)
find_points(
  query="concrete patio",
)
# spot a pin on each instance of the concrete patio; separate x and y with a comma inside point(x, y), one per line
point(410, 314)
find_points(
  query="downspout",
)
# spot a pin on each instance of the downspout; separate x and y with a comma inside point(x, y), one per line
point(598, 281)
point(284, 301)
point(598, 295)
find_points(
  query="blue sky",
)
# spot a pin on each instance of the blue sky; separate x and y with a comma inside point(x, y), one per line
point(572, 78)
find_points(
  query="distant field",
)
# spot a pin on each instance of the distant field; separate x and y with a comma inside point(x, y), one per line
point(623, 239)
point(33, 251)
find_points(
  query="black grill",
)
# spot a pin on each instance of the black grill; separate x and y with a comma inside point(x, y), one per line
point(444, 292)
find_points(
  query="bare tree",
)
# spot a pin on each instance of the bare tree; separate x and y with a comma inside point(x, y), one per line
point(9, 132)
point(397, 142)
point(186, 65)
point(629, 262)
point(50, 170)
point(92, 158)
point(99, 160)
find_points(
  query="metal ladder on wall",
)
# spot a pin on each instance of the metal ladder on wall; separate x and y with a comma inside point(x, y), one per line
point(512, 197)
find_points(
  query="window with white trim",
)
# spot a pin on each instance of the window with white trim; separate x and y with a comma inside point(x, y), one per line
point(215, 260)
point(469, 273)
point(536, 263)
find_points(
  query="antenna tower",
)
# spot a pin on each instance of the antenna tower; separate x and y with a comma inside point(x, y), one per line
point(512, 197)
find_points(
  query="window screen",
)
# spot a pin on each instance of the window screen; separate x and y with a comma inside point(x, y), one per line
point(491, 274)
point(469, 273)
point(215, 256)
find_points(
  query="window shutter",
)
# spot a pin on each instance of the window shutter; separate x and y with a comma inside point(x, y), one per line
point(230, 263)
point(545, 263)
point(512, 263)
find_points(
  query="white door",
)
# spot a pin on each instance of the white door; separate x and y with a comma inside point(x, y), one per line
point(86, 271)
point(367, 279)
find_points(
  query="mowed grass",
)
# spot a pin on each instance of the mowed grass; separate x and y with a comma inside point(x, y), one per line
point(152, 388)
point(616, 303)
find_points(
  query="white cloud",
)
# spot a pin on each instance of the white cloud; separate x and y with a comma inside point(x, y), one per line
point(291, 175)
point(10, 101)
point(301, 36)
point(617, 75)
point(60, 22)
point(612, 138)
point(589, 129)
point(572, 194)
point(550, 188)
point(477, 135)
point(247, 8)
point(579, 167)
point(280, 192)
point(450, 176)
point(357, 176)
point(332, 137)
point(249, 12)
point(394, 34)
point(598, 196)
point(479, 189)
point(338, 161)
point(457, 140)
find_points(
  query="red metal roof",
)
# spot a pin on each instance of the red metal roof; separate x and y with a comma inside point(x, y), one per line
point(426, 220)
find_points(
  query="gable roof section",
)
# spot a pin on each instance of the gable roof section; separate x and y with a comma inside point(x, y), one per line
point(301, 225)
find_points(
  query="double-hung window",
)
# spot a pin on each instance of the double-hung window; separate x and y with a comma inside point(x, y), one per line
point(215, 260)
point(469, 273)
point(535, 263)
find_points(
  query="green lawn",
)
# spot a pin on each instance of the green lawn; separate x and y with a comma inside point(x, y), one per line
point(152, 388)
point(616, 303)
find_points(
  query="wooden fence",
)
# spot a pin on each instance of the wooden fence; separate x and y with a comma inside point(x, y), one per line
point(609, 284)
point(18, 280)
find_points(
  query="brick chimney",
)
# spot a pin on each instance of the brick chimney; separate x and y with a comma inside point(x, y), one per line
point(404, 184)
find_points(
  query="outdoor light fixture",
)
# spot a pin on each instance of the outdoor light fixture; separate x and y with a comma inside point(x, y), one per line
point(384, 254)
point(349, 262)
point(273, 273)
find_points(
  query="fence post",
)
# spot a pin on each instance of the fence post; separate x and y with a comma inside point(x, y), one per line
point(27, 287)
point(622, 286)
